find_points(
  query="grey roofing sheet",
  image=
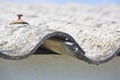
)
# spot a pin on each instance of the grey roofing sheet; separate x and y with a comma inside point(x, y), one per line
point(90, 33)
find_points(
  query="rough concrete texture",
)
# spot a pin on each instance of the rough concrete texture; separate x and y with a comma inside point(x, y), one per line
point(95, 28)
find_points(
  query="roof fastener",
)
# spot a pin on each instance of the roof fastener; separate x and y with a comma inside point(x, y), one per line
point(19, 20)
point(19, 16)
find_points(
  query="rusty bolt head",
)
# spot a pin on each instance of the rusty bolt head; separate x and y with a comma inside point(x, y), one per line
point(18, 21)
point(19, 16)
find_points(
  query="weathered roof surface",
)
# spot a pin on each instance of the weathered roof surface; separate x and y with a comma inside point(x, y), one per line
point(94, 31)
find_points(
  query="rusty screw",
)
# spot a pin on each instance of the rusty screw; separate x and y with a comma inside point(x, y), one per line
point(18, 21)
point(19, 16)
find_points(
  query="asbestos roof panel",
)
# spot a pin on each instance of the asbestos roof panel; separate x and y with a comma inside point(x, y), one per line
point(89, 33)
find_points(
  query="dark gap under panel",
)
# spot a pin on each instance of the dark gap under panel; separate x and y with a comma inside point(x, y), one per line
point(42, 51)
point(118, 54)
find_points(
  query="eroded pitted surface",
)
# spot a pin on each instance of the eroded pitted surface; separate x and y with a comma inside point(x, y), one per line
point(95, 28)
point(20, 39)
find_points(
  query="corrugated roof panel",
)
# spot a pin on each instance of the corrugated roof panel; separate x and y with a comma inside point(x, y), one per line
point(86, 32)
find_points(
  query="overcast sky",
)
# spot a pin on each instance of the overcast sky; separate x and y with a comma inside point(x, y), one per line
point(68, 1)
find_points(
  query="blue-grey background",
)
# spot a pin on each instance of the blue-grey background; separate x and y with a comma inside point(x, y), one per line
point(69, 1)
point(57, 67)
